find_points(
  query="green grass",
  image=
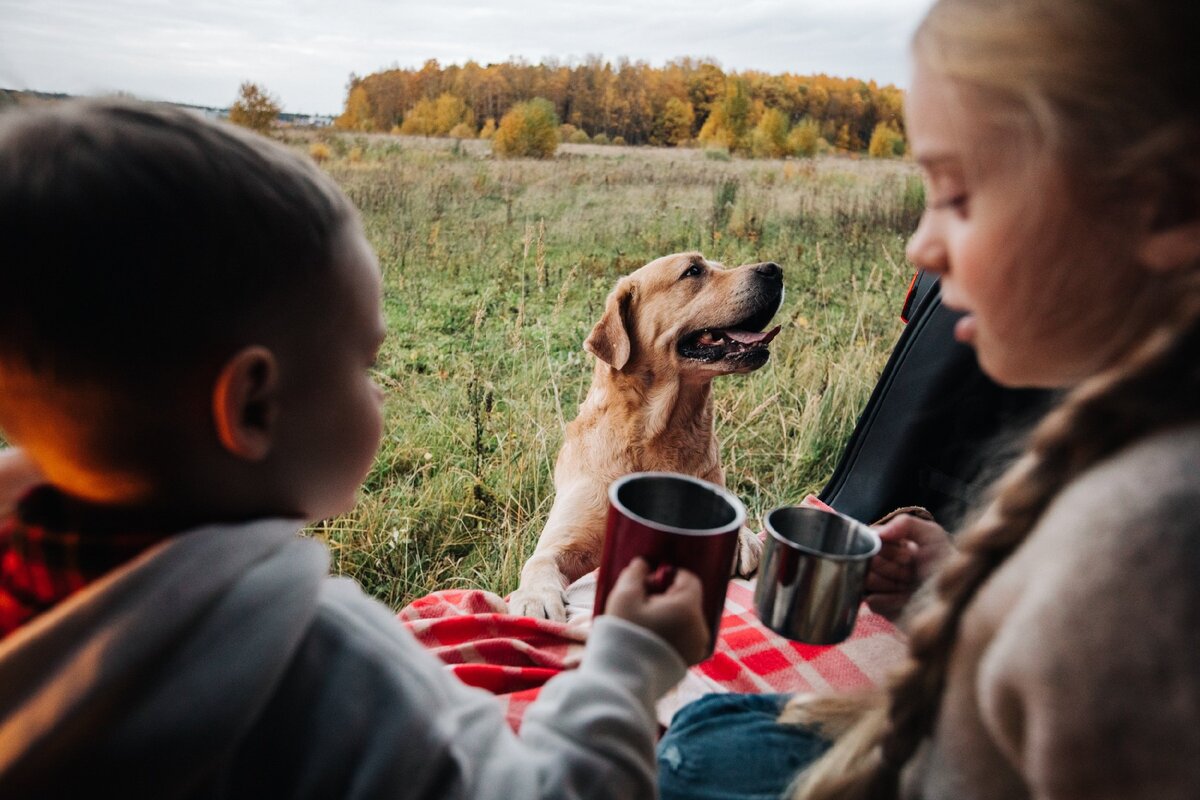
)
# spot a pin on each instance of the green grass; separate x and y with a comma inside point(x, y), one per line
point(494, 273)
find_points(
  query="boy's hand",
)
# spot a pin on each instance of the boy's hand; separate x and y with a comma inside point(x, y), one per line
point(675, 614)
point(17, 475)
point(912, 550)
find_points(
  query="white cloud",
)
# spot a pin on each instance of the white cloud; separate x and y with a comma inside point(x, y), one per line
point(304, 50)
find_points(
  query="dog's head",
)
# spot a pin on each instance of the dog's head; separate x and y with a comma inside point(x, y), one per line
point(686, 314)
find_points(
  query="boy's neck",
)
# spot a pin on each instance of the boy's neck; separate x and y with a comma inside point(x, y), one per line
point(88, 517)
point(189, 492)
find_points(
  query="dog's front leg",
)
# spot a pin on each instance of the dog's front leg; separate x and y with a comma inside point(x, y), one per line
point(569, 547)
point(540, 593)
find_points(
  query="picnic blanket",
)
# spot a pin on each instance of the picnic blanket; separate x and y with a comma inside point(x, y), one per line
point(471, 631)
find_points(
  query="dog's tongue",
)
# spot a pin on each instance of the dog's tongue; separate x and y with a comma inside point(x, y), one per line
point(746, 337)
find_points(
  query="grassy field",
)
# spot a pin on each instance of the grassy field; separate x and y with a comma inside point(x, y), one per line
point(496, 270)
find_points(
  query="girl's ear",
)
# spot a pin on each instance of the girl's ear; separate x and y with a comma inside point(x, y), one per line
point(610, 340)
point(1171, 247)
point(245, 403)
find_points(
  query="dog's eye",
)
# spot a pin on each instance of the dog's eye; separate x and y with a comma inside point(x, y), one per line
point(693, 271)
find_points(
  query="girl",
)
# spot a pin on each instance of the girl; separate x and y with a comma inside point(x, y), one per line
point(1060, 654)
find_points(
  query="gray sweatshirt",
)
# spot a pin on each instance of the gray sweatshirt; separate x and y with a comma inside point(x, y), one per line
point(225, 662)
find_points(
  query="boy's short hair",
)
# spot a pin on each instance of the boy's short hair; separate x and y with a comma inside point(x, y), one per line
point(137, 238)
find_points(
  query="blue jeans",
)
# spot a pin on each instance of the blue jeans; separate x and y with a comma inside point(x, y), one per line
point(729, 747)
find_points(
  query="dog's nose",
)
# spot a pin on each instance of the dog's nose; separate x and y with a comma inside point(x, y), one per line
point(769, 269)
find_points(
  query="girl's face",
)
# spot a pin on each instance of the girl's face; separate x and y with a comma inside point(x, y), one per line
point(1042, 282)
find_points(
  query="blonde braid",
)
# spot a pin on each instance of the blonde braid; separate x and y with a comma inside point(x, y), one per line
point(1154, 389)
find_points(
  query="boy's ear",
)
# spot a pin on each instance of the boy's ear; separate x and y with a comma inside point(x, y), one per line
point(1171, 247)
point(245, 403)
point(610, 340)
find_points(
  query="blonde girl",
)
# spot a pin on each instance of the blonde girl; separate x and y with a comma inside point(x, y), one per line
point(1059, 656)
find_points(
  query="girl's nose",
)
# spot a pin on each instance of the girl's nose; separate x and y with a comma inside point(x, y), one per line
point(926, 249)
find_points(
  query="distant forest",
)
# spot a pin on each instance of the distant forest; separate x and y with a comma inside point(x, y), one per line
point(687, 101)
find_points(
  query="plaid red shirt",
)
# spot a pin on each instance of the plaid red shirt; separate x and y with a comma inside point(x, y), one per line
point(51, 546)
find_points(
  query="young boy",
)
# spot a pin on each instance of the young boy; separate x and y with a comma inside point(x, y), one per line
point(190, 313)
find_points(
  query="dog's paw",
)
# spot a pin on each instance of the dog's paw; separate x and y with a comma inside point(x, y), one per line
point(749, 553)
point(539, 602)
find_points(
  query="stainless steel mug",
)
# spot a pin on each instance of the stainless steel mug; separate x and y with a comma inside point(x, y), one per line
point(810, 582)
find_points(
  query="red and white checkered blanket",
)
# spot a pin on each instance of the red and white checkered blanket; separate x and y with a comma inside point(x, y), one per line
point(513, 656)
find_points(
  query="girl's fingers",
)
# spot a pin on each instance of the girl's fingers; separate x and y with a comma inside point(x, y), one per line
point(880, 583)
point(887, 604)
point(894, 565)
point(894, 530)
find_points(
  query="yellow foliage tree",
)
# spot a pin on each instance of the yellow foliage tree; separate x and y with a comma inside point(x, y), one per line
point(449, 112)
point(529, 129)
point(489, 129)
point(886, 142)
point(843, 137)
point(438, 117)
point(675, 122)
point(804, 138)
point(255, 108)
point(358, 115)
point(728, 125)
point(421, 119)
point(770, 137)
point(714, 131)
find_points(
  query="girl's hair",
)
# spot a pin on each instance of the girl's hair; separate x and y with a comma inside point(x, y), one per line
point(1103, 86)
point(139, 238)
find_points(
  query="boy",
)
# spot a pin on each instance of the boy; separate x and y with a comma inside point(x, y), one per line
point(190, 315)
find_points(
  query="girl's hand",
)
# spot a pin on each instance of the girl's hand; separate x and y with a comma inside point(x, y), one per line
point(675, 614)
point(912, 550)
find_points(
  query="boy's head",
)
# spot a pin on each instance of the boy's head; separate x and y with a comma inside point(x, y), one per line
point(180, 301)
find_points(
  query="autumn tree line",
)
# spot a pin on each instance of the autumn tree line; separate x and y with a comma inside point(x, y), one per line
point(687, 101)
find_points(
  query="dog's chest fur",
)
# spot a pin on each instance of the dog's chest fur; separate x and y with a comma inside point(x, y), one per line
point(663, 428)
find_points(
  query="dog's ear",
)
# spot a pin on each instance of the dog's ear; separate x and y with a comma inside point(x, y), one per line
point(610, 340)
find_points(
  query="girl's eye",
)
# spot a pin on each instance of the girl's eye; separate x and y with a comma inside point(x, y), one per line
point(695, 270)
point(956, 202)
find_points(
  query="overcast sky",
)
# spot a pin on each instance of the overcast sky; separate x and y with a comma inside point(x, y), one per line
point(303, 51)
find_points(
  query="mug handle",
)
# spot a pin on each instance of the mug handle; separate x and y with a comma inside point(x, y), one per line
point(658, 580)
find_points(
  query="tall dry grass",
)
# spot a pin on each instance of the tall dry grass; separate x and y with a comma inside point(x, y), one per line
point(494, 273)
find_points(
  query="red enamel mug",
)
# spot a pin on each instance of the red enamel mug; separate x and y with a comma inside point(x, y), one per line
point(673, 521)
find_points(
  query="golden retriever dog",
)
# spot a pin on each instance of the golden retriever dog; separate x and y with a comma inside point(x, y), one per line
point(667, 330)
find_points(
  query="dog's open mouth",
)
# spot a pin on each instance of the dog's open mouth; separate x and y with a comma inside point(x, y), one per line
point(744, 341)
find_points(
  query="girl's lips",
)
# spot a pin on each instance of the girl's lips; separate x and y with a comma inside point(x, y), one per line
point(965, 328)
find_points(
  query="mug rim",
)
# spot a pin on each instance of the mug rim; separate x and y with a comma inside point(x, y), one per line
point(876, 542)
point(739, 510)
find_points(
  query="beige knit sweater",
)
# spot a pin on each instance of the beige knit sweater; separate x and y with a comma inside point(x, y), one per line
point(1077, 669)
